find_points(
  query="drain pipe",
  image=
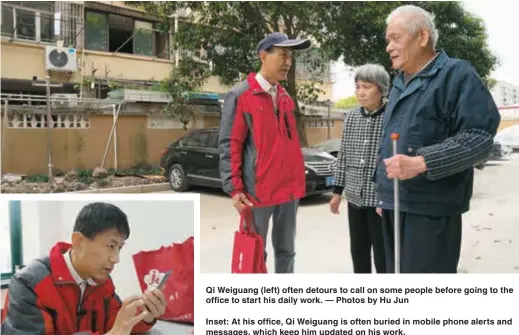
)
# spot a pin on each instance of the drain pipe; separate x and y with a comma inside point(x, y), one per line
point(4, 130)
point(114, 110)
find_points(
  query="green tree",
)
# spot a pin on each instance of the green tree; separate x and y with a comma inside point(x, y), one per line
point(227, 33)
point(188, 77)
point(359, 30)
point(491, 82)
point(347, 102)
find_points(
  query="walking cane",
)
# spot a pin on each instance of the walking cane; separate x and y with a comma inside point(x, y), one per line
point(394, 138)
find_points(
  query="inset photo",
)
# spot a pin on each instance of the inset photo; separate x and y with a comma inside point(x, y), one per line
point(99, 264)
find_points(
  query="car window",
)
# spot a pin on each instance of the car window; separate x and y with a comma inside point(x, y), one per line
point(198, 139)
point(213, 141)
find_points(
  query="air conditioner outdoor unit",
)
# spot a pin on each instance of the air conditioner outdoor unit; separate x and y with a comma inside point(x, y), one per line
point(63, 100)
point(64, 60)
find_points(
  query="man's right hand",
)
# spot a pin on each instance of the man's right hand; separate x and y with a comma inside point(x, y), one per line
point(240, 202)
point(335, 203)
point(127, 316)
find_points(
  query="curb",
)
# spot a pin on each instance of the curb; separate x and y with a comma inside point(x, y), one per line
point(149, 188)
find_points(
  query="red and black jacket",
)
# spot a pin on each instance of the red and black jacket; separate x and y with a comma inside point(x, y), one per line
point(260, 151)
point(43, 298)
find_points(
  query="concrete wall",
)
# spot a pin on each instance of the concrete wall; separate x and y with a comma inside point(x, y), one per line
point(21, 60)
point(317, 135)
point(25, 150)
point(24, 60)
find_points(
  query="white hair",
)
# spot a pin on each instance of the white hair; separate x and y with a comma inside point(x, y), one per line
point(375, 74)
point(418, 18)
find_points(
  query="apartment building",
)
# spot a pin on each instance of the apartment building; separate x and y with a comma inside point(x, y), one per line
point(505, 94)
point(103, 42)
point(93, 50)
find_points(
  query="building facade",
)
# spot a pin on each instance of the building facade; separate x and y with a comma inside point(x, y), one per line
point(104, 45)
point(505, 94)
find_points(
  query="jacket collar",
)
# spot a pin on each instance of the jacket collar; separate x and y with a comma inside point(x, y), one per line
point(77, 278)
point(256, 87)
point(374, 114)
point(265, 85)
point(429, 71)
point(62, 271)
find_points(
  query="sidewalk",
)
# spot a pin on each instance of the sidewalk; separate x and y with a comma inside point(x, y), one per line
point(490, 233)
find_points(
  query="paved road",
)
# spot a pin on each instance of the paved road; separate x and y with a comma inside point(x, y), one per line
point(490, 233)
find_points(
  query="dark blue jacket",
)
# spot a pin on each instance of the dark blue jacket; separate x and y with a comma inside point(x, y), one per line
point(447, 115)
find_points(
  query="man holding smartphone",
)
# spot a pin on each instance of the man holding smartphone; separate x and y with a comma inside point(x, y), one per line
point(71, 292)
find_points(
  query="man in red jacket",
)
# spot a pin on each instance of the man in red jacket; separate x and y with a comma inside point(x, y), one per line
point(71, 292)
point(261, 163)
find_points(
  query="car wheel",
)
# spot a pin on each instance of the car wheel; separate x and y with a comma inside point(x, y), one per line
point(177, 178)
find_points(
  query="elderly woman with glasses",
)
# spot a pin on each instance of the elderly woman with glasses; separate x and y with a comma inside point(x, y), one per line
point(356, 163)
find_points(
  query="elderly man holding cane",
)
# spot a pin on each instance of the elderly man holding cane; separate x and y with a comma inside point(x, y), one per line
point(445, 119)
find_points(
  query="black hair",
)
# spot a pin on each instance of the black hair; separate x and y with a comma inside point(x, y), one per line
point(98, 217)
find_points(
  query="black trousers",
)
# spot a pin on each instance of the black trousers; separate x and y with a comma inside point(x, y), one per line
point(429, 244)
point(366, 232)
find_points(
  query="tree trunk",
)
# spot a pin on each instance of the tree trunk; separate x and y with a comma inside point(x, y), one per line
point(291, 88)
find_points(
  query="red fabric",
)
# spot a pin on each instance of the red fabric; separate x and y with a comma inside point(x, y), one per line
point(249, 249)
point(179, 289)
point(279, 165)
point(56, 291)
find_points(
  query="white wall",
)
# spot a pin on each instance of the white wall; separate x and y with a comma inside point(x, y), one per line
point(152, 224)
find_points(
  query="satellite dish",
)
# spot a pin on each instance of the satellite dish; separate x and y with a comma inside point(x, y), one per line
point(58, 58)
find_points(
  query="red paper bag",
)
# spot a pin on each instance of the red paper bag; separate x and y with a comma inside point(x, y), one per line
point(248, 255)
point(151, 266)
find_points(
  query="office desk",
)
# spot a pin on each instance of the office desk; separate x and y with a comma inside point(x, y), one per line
point(170, 328)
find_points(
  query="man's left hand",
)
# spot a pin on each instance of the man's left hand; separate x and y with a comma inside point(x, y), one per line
point(404, 167)
point(155, 302)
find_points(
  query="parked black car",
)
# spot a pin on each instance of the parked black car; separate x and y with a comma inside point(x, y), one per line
point(499, 152)
point(194, 160)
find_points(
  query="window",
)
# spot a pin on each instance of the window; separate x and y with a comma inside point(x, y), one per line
point(117, 33)
point(25, 24)
point(120, 32)
point(96, 31)
point(46, 27)
point(143, 38)
point(198, 139)
point(32, 21)
point(213, 142)
point(7, 20)
point(11, 238)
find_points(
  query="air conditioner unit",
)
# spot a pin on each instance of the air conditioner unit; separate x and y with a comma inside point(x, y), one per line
point(63, 100)
point(64, 60)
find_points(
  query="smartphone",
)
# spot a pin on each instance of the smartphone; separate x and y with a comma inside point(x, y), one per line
point(163, 281)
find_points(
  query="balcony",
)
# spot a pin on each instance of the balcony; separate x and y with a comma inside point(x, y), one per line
point(28, 21)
